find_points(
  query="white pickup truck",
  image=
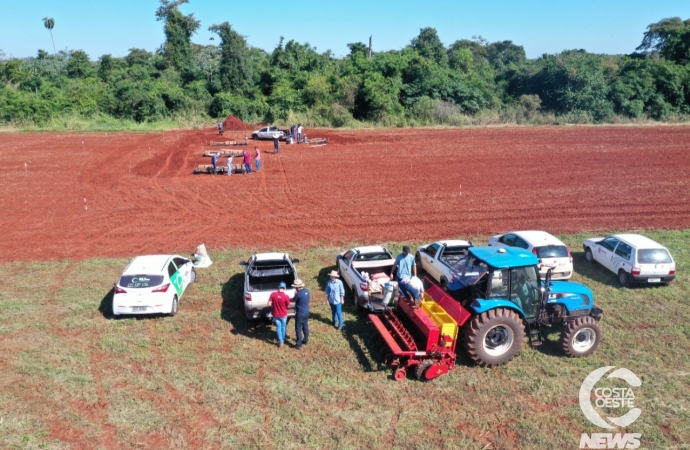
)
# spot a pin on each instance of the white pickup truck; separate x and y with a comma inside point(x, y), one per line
point(262, 275)
point(376, 261)
point(437, 259)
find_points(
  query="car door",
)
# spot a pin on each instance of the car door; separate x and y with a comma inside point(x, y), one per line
point(185, 267)
point(521, 243)
point(621, 258)
point(346, 269)
point(176, 278)
point(263, 133)
point(604, 251)
point(428, 257)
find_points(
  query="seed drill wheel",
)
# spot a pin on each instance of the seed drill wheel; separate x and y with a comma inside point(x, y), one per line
point(400, 374)
point(421, 369)
point(494, 337)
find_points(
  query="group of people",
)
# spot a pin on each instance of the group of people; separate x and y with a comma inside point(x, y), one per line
point(246, 161)
point(296, 133)
point(404, 270)
point(280, 302)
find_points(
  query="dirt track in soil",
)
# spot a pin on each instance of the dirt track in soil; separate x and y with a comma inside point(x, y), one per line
point(366, 186)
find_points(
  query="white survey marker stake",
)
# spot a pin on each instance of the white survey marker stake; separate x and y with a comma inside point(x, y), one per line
point(86, 205)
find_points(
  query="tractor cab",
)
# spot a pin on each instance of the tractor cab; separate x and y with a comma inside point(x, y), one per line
point(503, 275)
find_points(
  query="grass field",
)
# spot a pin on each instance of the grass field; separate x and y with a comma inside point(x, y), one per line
point(73, 377)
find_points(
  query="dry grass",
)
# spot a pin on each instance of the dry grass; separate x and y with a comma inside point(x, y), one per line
point(71, 377)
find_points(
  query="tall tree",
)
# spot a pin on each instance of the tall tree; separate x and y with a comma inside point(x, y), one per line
point(429, 45)
point(178, 29)
point(49, 23)
point(235, 73)
point(670, 38)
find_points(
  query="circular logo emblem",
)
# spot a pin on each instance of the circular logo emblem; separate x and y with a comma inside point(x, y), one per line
point(609, 397)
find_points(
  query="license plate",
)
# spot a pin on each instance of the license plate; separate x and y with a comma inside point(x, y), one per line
point(138, 308)
point(654, 280)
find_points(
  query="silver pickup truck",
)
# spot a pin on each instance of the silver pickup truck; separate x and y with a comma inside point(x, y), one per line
point(437, 259)
point(262, 275)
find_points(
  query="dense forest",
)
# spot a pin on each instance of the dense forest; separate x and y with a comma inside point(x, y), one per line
point(425, 83)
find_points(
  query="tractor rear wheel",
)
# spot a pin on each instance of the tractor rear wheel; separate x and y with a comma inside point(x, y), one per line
point(494, 337)
point(581, 337)
point(421, 369)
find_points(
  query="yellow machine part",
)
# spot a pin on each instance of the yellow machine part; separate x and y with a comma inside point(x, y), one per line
point(446, 324)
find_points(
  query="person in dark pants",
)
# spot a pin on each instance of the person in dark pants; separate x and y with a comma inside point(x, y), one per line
point(214, 162)
point(301, 300)
point(220, 128)
point(276, 143)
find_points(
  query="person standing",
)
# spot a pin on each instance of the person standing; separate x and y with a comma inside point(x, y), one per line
point(229, 165)
point(257, 158)
point(280, 302)
point(292, 133)
point(301, 300)
point(335, 294)
point(220, 128)
point(299, 133)
point(276, 143)
point(247, 162)
point(402, 270)
point(214, 162)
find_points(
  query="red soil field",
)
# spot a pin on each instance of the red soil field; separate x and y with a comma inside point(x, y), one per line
point(365, 186)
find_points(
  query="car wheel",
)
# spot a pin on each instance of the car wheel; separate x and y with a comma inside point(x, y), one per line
point(581, 337)
point(588, 255)
point(623, 278)
point(418, 260)
point(192, 276)
point(255, 136)
point(173, 309)
point(444, 284)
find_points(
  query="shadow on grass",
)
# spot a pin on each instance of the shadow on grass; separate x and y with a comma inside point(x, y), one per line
point(232, 310)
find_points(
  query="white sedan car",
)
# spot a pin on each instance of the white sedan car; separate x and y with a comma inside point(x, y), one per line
point(153, 284)
point(552, 252)
point(633, 257)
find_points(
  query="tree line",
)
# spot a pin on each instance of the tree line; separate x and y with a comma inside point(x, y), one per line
point(425, 83)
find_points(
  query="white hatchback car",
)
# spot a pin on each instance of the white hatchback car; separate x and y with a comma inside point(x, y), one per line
point(633, 257)
point(153, 284)
point(552, 252)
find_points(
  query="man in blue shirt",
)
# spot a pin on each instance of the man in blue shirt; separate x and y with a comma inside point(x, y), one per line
point(403, 269)
point(214, 161)
point(301, 300)
point(335, 294)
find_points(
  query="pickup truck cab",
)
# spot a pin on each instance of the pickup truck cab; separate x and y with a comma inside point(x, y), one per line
point(437, 259)
point(633, 257)
point(262, 275)
point(375, 260)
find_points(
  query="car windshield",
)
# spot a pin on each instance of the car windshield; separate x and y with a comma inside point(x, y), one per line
point(140, 281)
point(552, 251)
point(653, 256)
point(372, 256)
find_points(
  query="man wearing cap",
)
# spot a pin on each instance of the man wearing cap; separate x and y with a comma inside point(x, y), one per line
point(301, 300)
point(403, 269)
point(335, 294)
point(280, 302)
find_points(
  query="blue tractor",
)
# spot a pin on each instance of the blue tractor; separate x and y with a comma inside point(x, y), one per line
point(506, 298)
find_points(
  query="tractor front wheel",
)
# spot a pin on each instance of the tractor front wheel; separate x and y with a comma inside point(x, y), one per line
point(581, 337)
point(494, 337)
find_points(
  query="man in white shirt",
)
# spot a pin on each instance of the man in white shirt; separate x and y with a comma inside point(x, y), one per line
point(412, 288)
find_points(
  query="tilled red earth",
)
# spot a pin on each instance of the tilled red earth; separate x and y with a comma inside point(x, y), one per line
point(366, 186)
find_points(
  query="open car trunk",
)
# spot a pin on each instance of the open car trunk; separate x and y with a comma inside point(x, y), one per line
point(267, 275)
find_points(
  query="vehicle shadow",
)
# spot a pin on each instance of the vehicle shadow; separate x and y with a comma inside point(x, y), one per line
point(232, 310)
point(593, 271)
point(106, 306)
point(106, 309)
